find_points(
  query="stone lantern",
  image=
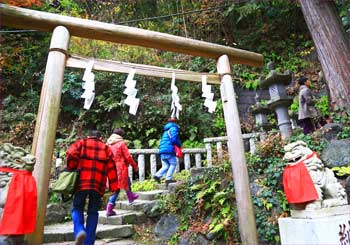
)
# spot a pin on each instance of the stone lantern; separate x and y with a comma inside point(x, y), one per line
point(260, 113)
point(279, 100)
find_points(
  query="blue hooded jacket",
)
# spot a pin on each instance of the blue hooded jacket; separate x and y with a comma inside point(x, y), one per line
point(170, 137)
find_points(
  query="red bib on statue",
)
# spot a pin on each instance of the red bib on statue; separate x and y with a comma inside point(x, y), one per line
point(298, 185)
point(19, 214)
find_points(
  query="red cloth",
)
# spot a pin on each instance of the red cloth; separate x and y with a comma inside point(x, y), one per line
point(94, 160)
point(123, 159)
point(297, 183)
point(19, 216)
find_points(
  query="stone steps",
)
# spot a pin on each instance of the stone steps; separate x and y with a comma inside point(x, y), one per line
point(114, 241)
point(137, 205)
point(151, 195)
point(64, 232)
point(122, 217)
point(112, 229)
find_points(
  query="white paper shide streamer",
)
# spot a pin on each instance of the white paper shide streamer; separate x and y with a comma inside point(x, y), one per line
point(88, 86)
point(176, 107)
point(131, 92)
point(208, 95)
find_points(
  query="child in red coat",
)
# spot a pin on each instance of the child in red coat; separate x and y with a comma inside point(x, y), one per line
point(122, 159)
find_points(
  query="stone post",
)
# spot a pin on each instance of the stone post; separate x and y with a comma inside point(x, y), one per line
point(153, 160)
point(141, 164)
point(260, 113)
point(209, 154)
point(198, 160)
point(187, 161)
point(280, 101)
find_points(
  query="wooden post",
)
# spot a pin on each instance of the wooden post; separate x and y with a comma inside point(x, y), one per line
point(42, 21)
point(236, 149)
point(79, 62)
point(47, 119)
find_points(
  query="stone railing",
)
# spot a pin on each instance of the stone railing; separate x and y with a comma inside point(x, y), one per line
point(219, 141)
point(141, 155)
point(148, 159)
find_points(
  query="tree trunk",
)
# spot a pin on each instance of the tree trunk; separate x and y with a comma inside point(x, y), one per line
point(332, 48)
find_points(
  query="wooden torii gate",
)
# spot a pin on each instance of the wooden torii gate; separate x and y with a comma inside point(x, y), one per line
point(45, 129)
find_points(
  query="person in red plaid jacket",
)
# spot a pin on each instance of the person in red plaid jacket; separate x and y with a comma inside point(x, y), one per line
point(94, 160)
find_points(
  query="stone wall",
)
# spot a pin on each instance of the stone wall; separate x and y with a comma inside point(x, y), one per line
point(246, 98)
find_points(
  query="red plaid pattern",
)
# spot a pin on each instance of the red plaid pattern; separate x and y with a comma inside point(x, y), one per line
point(94, 160)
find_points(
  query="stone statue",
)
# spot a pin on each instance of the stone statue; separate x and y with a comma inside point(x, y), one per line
point(330, 192)
point(12, 157)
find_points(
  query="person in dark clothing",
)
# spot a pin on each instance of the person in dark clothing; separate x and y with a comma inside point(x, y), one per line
point(170, 137)
point(94, 160)
point(307, 110)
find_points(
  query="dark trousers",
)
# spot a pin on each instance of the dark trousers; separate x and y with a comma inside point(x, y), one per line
point(94, 205)
point(307, 125)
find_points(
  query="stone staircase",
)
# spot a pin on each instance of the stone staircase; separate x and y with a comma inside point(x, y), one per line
point(116, 229)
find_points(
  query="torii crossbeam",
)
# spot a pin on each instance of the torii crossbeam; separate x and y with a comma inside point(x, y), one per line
point(64, 26)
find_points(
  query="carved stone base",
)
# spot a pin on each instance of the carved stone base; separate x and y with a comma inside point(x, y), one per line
point(319, 213)
point(323, 226)
point(12, 240)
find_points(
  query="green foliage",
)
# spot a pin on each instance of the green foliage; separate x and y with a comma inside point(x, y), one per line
point(137, 144)
point(344, 133)
point(264, 102)
point(339, 116)
point(322, 105)
point(219, 126)
point(252, 84)
point(22, 62)
point(146, 185)
point(258, 26)
point(313, 141)
point(295, 105)
point(184, 175)
point(54, 197)
point(174, 239)
point(342, 171)
point(265, 170)
point(271, 118)
point(343, 9)
point(210, 195)
point(192, 144)
point(19, 117)
point(67, 218)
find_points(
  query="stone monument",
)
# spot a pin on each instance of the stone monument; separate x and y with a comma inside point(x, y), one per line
point(279, 100)
point(325, 220)
point(260, 113)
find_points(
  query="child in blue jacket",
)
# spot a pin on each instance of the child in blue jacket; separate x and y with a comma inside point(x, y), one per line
point(170, 137)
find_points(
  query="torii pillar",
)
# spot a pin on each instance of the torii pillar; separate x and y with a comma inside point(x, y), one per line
point(46, 124)
point(247, 225)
